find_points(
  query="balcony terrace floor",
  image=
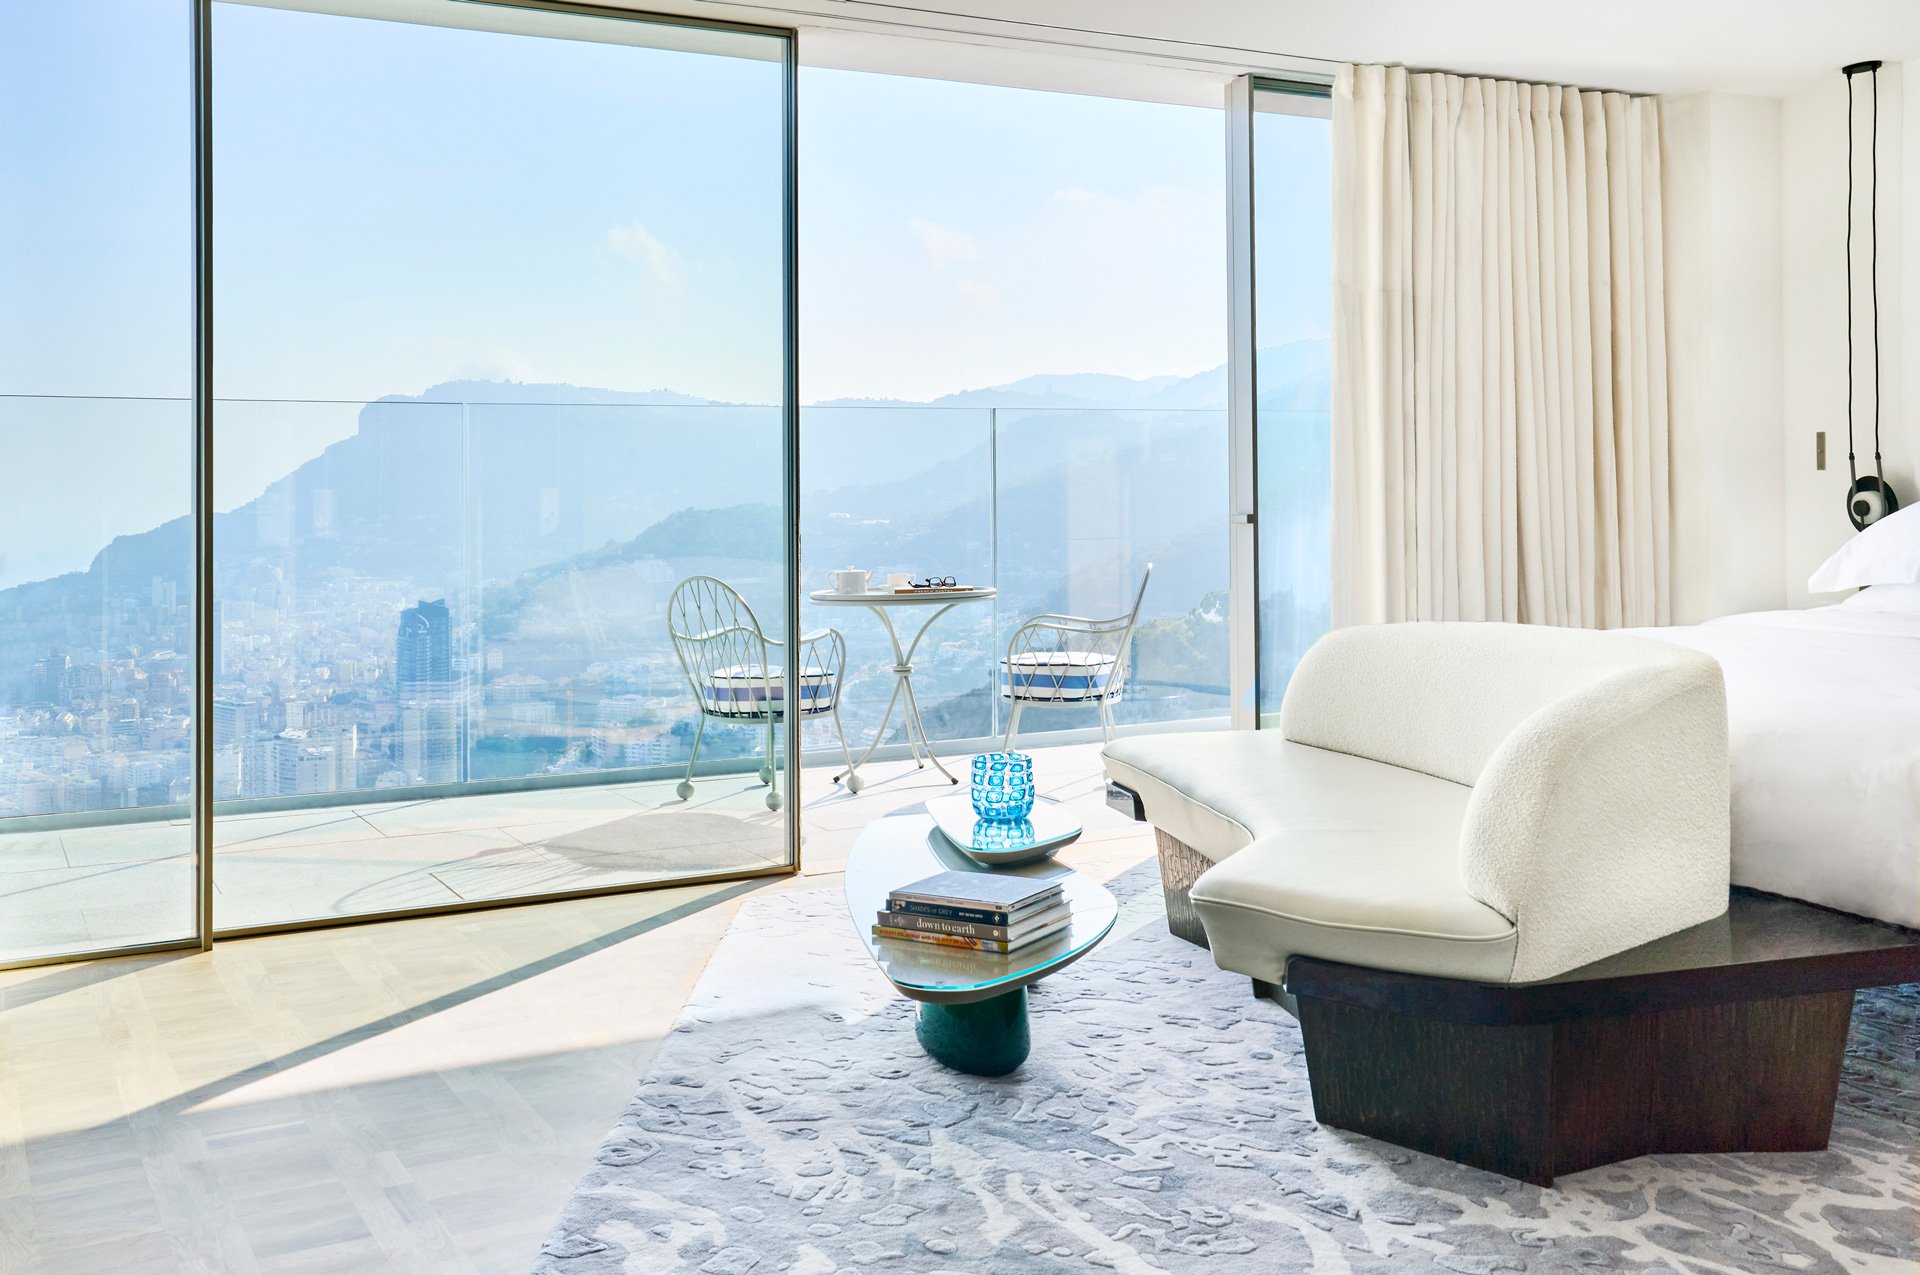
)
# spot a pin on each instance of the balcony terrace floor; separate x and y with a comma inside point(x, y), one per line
point(120, 885)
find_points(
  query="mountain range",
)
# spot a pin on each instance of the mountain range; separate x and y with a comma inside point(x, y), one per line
point(1294, 377)
point(565, 502)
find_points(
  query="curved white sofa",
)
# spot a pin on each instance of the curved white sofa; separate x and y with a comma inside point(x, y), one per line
point(1492, 802)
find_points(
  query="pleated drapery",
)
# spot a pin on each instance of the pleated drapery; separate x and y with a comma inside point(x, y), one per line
point(1500, 444)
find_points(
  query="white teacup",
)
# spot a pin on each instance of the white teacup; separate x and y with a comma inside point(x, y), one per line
point(851, 580)
point(899, 580)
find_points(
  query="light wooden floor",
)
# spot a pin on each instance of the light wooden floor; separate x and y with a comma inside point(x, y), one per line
point(411, 1096)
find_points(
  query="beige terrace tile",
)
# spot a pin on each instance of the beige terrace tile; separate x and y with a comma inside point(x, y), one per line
point(127, 843)
point(324, 825)
point(270, 887)
point(493, 810)
point(31, 852)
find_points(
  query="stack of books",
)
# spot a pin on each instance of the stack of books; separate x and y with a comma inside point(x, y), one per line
point(985, 911)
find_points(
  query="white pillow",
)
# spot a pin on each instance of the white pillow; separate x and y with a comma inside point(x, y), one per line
point(1902, 598)
point(1888, 552)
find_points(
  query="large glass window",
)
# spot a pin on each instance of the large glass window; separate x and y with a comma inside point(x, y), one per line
point(500, 301)
point(502, 361)
point(96, 448)
point(1015, 313)
point(1293, 279)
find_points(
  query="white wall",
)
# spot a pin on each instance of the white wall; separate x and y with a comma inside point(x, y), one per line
point(1724, 274)
point(1813, 221)
point(1756, 260)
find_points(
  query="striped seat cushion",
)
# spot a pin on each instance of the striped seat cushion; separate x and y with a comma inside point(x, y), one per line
point(743, 691)
point(1059, 677)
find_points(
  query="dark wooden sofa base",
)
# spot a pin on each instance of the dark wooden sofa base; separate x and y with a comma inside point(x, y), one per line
point(1538, 1100)
point(1726, 1037)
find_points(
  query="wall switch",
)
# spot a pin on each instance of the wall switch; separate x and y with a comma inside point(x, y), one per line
point(1820, 450)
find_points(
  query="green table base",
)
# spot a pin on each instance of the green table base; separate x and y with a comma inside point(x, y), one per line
point(981, 1038)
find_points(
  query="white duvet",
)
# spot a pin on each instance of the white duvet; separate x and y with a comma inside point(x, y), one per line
point(1823, 707)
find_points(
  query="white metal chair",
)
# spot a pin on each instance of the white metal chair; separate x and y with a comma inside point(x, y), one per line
point(1069, 661)
point(729, 663)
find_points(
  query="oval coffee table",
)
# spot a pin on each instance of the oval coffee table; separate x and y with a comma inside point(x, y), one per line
point(973, 1005)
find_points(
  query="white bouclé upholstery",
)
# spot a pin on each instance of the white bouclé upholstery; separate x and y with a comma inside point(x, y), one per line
point(1495, 802)
point(1212, 790)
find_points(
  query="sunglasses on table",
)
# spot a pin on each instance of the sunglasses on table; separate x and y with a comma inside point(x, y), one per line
point(934, 582)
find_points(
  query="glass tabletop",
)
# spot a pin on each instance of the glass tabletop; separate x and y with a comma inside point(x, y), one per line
point(895, 851)
point(890, 598)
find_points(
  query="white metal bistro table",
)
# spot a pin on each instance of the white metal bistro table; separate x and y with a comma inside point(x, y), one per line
point(882, 602)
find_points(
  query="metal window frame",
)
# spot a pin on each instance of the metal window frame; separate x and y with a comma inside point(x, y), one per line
point(206, 932)
point(200, 772)
point(1243, 97)
point(1243, 495)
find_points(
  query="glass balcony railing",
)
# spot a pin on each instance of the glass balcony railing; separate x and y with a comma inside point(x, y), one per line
point(462, 594)
point(534, 547)
point(1061, 511)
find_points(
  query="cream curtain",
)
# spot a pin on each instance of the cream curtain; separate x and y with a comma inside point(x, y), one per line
point(1499, 355)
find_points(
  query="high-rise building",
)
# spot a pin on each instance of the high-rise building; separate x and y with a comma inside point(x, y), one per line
point(293, 763)
point(234, 719)
point(303, 766)
point(48, 681)
point(428, 696)
point(423, 652)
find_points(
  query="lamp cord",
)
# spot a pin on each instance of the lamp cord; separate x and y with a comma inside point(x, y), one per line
point(1873, 208)
point(1873, 267)
point(1853, 474)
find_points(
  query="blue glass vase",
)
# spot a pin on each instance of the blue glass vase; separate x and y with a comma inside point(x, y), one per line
point(1003, 786)
point(1002, 835)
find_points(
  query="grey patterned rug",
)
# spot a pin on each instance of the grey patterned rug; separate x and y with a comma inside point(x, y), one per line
point(1163, 1123)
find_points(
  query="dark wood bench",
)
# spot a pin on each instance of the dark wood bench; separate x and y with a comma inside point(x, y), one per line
point(1728, 1036)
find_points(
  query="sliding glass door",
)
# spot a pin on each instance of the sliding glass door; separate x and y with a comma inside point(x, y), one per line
point(1015, 331)
point(96, 477)
point(1292, 290)
point(502, 357)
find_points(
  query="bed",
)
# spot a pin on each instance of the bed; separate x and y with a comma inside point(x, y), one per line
point(1823, 710)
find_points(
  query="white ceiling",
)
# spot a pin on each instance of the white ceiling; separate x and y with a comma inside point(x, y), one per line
point(1770, 47)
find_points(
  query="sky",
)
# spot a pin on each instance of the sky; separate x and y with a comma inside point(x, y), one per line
point(398, 206)
point(1292, 227)
point(956, 236)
